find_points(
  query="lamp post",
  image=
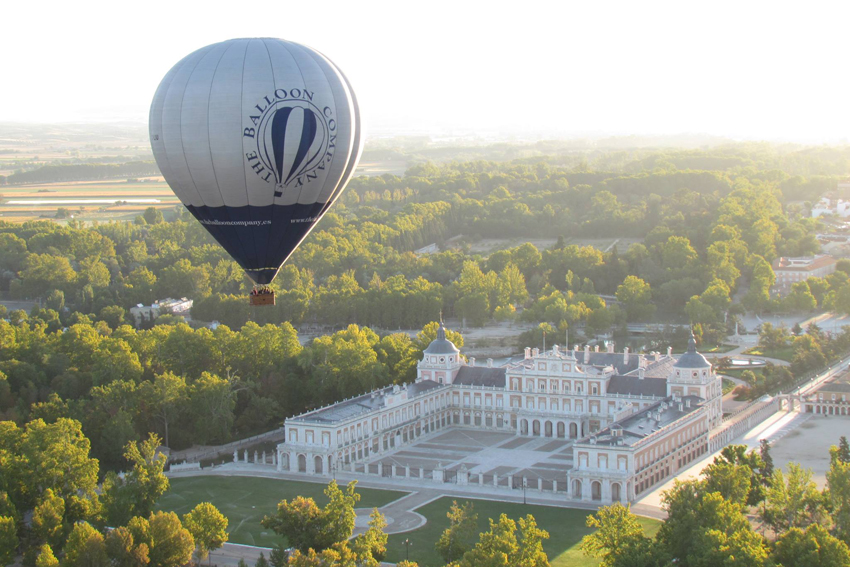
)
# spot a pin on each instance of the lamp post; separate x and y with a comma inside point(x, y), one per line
point(524, 484)
point(407, 543)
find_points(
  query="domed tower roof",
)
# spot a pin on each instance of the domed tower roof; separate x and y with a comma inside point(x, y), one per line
point(691, 358)
point(441, 345)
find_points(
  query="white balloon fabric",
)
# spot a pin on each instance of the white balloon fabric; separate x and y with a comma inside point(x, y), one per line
point(257, 138)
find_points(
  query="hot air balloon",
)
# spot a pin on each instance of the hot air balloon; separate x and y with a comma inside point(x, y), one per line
point(257, 138)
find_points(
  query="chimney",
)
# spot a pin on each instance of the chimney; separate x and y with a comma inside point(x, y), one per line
point(489, 363)
point(626, 355)
point(586, 354)
point(681, 407)
point(472, 361)
point(669, 351)
point(527, 352)
point(610, 346)
point(535, 351)
point(596, 348)
point(687, 403)
point(641, 373)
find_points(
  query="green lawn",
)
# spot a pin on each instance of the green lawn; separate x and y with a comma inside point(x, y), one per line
point(245, 500)
point(728, 386)
point(785, 353)
point(566, 527)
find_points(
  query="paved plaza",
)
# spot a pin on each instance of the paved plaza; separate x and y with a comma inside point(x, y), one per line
point(491, 458)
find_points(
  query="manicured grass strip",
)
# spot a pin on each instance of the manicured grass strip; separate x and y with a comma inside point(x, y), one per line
point(245, 500)
point(785, 353)
point(566, 527)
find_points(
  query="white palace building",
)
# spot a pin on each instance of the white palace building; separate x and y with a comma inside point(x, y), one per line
point(633, 419)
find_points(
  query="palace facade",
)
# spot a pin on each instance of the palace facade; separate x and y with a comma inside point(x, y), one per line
point(634, 419)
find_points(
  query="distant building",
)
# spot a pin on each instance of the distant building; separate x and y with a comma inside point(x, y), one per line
point(180, 307)
point(832, 398)
point(791, 270)
point(634, 419)
point(430, 249)
point(834, 207)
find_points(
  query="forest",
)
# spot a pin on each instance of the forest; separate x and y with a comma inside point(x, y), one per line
point(703, 243)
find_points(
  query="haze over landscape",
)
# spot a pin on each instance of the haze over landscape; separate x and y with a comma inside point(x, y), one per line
point(429, 284)
point(742, 70)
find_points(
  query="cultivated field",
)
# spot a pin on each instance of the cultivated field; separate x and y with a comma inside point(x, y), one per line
point(85, 199)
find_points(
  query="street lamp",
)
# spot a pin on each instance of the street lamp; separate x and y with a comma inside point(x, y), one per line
point(407, 543)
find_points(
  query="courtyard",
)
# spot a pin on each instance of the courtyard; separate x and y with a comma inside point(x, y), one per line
point(492, 458)
point(807, 442)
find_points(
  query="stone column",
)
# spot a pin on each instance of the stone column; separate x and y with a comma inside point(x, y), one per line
point(245, 455)
point(406, 471)
point(481, 479)
point(278, 462)
point(510, 481)
point(421, 473)
point(236, 456)
point(555, 485)
point(255, 457)
point(381, 469)
point(540, 484)
point(495, 479)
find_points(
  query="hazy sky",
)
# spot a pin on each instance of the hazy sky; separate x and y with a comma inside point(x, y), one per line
point(765, 70)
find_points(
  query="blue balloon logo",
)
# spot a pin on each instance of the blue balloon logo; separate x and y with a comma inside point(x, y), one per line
point(292, 142)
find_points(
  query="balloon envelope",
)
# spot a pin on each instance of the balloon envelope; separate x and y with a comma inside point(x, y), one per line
point(257, 138)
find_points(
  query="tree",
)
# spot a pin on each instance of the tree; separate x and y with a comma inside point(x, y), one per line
point(167, 394)
point(767, 459)
point(838, 494)
point(731, 480)
point(208, 527)
point(48, 520)
point(371, 545)
point(635, 295)
point(814, 547)
point(42, 273)
point(8, 540)
point(457, 538)
point(500, 546)
point(168, 542)
point(136, 494)
point(261, 561)
point(773, 338)
point(124, 551)
point(306, 526)
point(618, 539)
point(843, 454)
point(55, 456)
point(704, 529)
point(45, 557)
point(794, 503)
point(212, 401)
point(152, 216)
point(85, 547)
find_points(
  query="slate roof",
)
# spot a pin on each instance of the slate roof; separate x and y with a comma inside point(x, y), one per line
point(441, 345)
point(611, 359)
point(642, 424)
point(480, 376)
point(347, 409)
point(691, 358)
point(633, 385)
